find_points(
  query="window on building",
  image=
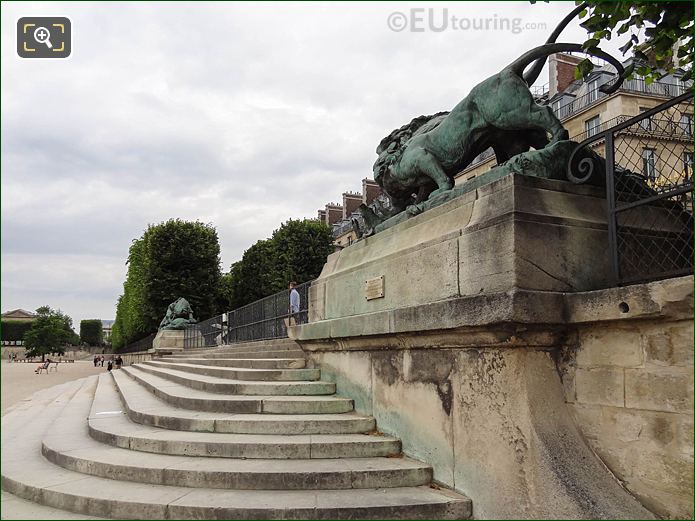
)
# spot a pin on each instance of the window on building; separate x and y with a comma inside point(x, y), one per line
point(687, 124)
point(646, 124)
point(649, 163)
point(688, 165)
point(556, 108)
point(593, 91)
point(592, 126)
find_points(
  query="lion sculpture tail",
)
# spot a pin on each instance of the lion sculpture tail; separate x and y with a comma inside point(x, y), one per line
point(543, 51)
point(532, 74)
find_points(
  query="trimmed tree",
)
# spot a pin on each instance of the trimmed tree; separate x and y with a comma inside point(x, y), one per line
point(91, 332)
point(182, 260)
point(301, 248)
point(14, 330)
point(253, 275)
point(171, 260)
point(296, 251)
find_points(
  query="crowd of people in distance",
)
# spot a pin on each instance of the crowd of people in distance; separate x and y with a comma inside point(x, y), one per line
point(117, 361)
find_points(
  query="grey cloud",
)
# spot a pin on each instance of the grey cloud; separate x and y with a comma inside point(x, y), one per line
point(242, 115)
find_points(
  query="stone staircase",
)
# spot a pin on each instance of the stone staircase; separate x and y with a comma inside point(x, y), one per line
point(237, 432)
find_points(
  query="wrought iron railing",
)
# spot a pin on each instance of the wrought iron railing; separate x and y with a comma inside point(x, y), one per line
point(263, 319)
point(649, 190)
point(639, 86)
point(652, 127)
point(140, 345)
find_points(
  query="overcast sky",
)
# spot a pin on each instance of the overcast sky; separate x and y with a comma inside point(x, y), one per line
point(242, 115)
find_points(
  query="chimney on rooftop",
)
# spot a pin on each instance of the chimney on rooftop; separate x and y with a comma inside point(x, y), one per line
point(561, 72)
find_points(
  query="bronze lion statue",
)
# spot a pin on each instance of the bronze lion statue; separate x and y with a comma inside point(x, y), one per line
point(418, 161)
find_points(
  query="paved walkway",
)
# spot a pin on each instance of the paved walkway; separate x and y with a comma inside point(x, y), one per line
point(19, 382)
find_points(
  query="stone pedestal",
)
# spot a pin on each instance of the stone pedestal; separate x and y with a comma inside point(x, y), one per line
point(168, 341)
point(518, 232)
point(458, 330)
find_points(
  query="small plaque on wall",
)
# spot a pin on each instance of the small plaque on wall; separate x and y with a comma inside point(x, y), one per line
point(374, 288)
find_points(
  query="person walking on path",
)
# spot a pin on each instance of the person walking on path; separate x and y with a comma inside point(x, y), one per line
point(295, 303)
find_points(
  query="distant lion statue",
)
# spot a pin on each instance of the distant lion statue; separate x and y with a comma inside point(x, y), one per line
point(179, 315)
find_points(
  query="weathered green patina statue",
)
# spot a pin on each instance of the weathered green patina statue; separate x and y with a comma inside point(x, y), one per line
point(179, 315)
point(418, 161)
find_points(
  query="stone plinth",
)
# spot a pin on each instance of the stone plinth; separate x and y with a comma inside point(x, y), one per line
point(168, 340)
point(518, 232)
point(495, 310)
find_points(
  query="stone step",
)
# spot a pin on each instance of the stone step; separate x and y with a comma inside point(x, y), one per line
point(217, 353)
point(145, 408)
point(252, 346)
point(214, 384)
point(68, 445)
point(240, 373)
point(262, 345)
point(182, 396)
point(284, 343)
point(109, 424)
point(254, 363)
point(28, 475)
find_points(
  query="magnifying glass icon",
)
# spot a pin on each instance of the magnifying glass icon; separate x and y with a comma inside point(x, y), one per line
point(43, 35)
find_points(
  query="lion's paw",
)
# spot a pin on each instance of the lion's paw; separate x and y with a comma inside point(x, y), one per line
point(414, 209)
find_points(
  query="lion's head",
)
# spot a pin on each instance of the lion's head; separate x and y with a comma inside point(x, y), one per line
point(391, 148)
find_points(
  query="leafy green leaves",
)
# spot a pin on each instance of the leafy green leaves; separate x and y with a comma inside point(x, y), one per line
point(655, 30)
point(13, 330)
point(91, 332)
point(50, 332)
point(296, 252)
point(173, 259)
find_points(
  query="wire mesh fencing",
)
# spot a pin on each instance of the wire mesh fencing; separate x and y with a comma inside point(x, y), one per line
point(649, 192)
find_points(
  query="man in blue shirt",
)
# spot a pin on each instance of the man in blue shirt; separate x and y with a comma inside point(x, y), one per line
point(294, 303)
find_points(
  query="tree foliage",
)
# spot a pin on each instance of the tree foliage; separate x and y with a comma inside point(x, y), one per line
point(50, 332)
point(171, 260)
point(91, 332)
point(14, 330)
point(653, 31)
point(296, 252)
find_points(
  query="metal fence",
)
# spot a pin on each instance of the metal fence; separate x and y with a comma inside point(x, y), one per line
point(649, 191)
point(141, 345)
point(639, 86)
point(263, 319)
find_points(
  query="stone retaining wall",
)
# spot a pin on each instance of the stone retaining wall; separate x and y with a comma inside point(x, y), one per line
point(526, 408)
point(630, 386)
